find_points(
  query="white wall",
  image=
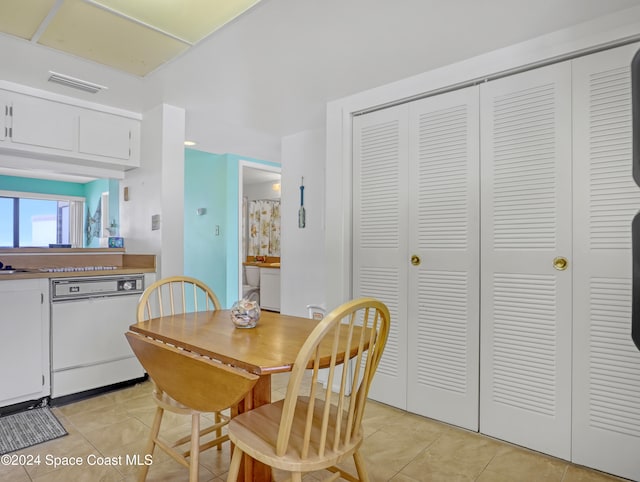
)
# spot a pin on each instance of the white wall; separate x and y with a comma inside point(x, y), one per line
point(302, 276)
point(172, 219)
point(217, 136)
point(157, 187)
point(260, 190)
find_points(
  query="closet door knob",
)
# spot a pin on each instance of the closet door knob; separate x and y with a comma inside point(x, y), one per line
point(560, 263)
point(415, 260)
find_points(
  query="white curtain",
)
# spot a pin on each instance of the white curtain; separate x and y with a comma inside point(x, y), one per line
point(76, 210)
point(264, 228)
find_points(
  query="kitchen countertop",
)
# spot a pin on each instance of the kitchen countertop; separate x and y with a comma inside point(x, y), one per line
point(35, 273)
point(262, 265)
point(31, 263)
point(263, 261)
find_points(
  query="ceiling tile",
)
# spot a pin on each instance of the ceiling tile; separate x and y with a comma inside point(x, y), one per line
point(22, 18)
point(190, 20)
point(93, 33)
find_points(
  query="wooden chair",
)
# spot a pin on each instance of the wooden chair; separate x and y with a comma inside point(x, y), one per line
point(318, 429)
point(171, 296)
point(176, 294)
point(188, 383)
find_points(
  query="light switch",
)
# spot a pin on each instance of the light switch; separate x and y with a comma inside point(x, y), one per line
point(155, 222)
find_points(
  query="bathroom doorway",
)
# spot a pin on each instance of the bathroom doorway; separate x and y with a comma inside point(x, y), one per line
point(259, 191)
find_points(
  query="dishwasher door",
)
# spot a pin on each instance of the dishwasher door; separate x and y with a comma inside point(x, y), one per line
point(88, 346)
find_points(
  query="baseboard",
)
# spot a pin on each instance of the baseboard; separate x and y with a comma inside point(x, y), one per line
point(76, 397)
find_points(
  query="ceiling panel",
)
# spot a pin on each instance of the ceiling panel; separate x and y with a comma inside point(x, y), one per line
point(135, 36)
point(93, 33)
point(22, 18)
point(190, 20)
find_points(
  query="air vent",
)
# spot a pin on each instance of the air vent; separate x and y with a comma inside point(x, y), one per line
point(75, 83)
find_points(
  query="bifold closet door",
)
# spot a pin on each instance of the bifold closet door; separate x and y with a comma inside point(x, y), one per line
point(525, 367)
point(606, 363)
point(380, 223)
point(443, 237)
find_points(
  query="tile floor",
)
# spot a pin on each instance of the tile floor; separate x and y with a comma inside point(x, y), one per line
point(400, 447)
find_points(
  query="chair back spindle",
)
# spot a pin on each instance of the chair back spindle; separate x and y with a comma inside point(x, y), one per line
point(176, 295)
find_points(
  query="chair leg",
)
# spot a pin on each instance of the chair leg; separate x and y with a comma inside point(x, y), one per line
point(296, 476)
point(218, 419)
point(362, 471)
point(151, 444)
point(234, 467)
point(194, 460)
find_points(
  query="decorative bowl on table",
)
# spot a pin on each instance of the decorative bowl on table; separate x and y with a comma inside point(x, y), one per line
point(245, 313)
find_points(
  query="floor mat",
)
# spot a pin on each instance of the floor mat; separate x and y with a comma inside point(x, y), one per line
point(31, 427)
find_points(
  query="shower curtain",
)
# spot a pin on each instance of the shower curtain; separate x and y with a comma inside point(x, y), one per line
point(264, 228)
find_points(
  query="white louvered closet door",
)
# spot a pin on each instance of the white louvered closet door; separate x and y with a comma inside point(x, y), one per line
point(444, 212)
point(379, 236)
point(606, 363)
point(525, 378)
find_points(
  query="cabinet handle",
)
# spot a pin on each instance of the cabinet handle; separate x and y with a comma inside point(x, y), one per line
point(415, 260)
point(560, 263)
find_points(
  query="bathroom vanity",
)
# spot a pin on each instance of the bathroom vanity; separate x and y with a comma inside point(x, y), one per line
point(261, 281)
point(270, 288)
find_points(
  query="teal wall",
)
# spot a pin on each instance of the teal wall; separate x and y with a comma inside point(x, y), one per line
point(205, 187)
point(211, 182)
point(91, 191)
point(41, 186)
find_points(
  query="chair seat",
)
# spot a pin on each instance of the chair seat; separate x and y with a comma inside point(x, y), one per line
point(255, 432)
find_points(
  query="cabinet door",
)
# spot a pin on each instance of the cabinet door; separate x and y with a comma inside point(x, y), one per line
point(24, 357)
point(43, 123)
point(106, 135)
point(525, 394)
point(380, 222)
point(606, 363)
point(444, 214)
point(4, 117)
point(270, 289)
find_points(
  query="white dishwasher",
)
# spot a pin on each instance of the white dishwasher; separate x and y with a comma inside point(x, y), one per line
point(89, 316)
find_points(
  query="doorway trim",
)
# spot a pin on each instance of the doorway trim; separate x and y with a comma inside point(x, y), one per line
point(242, 164)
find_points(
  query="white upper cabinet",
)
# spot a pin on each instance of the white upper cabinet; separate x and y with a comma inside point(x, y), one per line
point(41, 123)
point(52, 130)
point(110, 136)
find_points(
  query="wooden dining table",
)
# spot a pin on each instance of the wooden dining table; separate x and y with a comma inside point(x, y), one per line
point(270, 347)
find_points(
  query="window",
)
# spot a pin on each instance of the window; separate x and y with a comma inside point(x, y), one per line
point(39, 220)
